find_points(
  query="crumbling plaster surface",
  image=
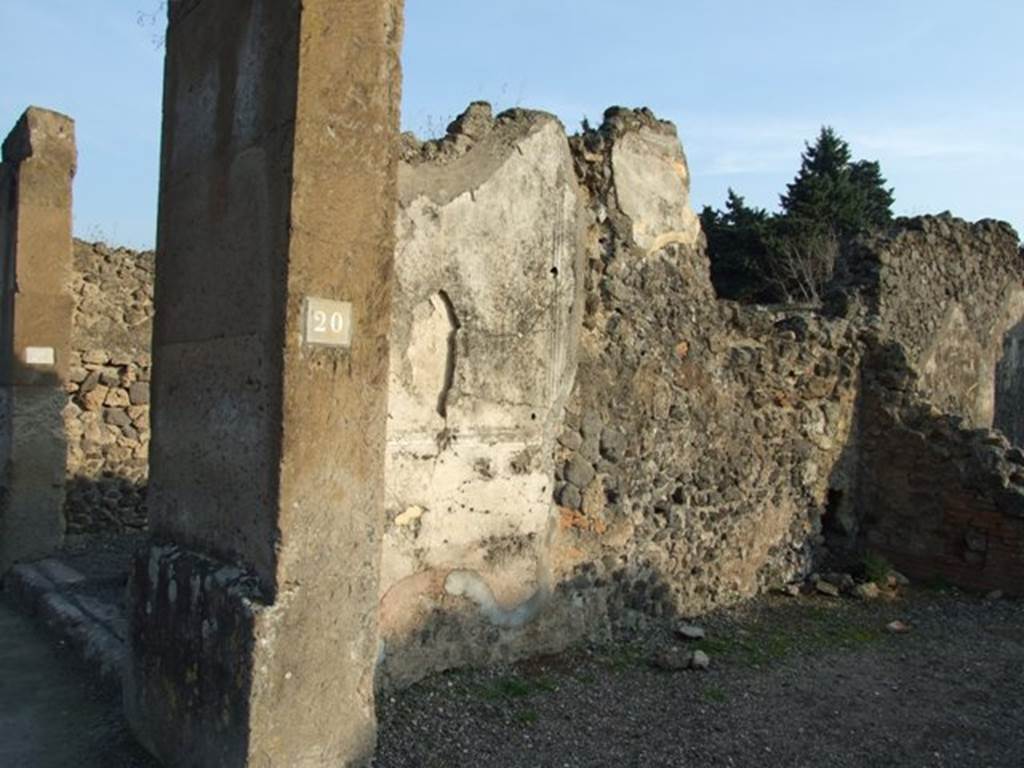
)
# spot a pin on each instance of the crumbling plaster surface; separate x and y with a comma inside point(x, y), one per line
point(652, 181)
point(483, 354)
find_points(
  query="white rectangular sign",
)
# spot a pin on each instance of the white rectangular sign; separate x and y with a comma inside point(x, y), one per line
point(327, 323)
point(40, 356)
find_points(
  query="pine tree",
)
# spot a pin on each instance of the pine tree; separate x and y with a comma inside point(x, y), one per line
point(739, 214)
point(736, 245)
point(832, 194)
point(792, 255)
point(866, 176)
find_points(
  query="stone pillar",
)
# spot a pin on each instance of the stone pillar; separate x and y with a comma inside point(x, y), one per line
point(254, 624)
point(35, 318)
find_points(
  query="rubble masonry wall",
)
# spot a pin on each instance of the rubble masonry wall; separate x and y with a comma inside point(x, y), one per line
point(107, 415)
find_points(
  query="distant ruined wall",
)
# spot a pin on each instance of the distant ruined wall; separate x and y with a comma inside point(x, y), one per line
point(941, 502)
point(950, 292)
point(107, 415)
point(936, 491)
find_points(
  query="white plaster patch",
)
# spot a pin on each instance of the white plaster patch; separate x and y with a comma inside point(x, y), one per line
point(483, 357)
point(410, 516)
point(653, 187)
point(472, 586)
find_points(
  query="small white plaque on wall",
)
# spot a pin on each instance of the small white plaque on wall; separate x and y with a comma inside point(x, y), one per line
point(40, 356)
point(327, 323)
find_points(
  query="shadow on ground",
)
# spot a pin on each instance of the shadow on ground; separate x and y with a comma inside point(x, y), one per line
point(54, 713)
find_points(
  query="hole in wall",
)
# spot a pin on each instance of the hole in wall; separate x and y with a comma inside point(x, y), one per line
point(830, 517)
point(445, 302)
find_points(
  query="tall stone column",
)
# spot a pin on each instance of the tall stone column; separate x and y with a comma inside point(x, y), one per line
point(254, 625)
point(35, 332)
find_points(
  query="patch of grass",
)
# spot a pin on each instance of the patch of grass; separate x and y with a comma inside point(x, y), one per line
point(712, 694)
point(807, 629)
point(938, 583)
point(876, 568)
point(622, 658)
point(760, 645)
point(509, 688)
point(527, 716)
point(544, 684)
point(512, 692)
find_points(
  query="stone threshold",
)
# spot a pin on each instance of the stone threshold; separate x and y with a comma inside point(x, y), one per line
point(55, 594)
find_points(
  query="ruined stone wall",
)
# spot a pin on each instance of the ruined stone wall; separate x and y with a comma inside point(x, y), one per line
point(702, 436)
point(692, 464)
point(706, 449)
point(940, 302)
point(950, 293)
point(580, 436)
point(483, 354)
point(942, 502)
point(107, 415)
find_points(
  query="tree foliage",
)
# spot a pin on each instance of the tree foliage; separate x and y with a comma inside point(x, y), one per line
point(791, 255)
point(738, 238)
point(831, 192)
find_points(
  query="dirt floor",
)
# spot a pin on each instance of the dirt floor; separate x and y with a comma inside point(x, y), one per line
point(808, 681)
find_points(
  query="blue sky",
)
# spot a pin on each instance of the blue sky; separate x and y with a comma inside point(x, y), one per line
point(930, 88)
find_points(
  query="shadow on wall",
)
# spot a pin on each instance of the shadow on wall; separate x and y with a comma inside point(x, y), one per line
point(840, 521)
point(105, 504)
point(33, 450)
point(1009, 386)
point(941, 501)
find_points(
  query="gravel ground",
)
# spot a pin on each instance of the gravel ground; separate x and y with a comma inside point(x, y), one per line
point(807, 681)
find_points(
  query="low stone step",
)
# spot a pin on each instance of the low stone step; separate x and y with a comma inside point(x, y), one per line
point(96, 629)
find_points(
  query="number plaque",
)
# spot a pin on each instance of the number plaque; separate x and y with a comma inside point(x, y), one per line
point(327, 323)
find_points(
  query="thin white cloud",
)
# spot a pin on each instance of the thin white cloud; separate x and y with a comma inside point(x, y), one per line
point(733, 146)
point(922, 144)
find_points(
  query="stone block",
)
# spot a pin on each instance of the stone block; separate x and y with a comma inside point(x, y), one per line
point(139, 393)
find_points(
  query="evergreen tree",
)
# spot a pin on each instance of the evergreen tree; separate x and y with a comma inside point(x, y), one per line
point(792, 255)
point(736, 245)
point(831, 193)
point(866, 176)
